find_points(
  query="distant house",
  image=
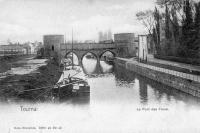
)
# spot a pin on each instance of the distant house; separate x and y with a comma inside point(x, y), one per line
point(27, 47)
point(38, 46)
point(105, 36)
point(89, 41)
point(12, 50)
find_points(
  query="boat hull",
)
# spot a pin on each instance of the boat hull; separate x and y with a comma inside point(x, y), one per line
point(61, 92)
point(71, 91)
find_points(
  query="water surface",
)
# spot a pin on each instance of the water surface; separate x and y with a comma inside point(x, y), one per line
point(120, 101)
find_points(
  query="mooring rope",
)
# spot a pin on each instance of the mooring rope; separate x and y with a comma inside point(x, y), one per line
point(74, 82)
point(38, 88)
point(51, 86)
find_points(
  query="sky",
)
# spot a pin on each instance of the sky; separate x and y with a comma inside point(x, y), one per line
point(29, 20)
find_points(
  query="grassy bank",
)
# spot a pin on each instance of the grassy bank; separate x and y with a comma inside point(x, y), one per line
point(7, 61)
point(19, 86)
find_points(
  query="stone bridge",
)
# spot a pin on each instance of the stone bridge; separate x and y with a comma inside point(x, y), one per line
point(97, 49)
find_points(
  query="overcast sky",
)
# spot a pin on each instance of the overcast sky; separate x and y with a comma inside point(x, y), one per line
point(28, 20)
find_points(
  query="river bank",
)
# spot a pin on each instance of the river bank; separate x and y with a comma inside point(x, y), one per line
point(7, 61)
point(16, 87)
point(183, 82)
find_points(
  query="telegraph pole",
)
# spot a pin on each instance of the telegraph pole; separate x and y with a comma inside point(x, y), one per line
point(72, 51)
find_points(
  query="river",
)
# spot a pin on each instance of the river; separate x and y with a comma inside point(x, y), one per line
point(120, 101)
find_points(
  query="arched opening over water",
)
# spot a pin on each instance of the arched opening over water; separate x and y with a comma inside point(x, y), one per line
point(89, 62)
point(107, 53)
point(73, 55)
point(106, 61)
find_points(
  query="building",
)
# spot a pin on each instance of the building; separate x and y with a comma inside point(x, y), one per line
point(37, 47)
point(124, 37)
point(143, 48)
point(109, 35)
point(89, 41)
point(101, 36)
point(52, 45)
point(129, 40)
point(6, 50)
point(105, 36)
point(27, 47)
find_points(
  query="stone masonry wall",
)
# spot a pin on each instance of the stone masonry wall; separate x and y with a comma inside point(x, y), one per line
point(182, 84)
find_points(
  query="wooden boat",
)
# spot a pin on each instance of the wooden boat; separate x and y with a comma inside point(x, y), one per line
point(74, 84)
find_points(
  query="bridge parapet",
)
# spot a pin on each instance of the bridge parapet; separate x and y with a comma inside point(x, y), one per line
point(88, 46)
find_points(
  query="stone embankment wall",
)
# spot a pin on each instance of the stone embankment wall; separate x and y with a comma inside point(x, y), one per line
point(181, 81)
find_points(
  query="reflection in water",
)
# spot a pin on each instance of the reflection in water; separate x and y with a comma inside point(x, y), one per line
point(152, 91)
point(89, 65)
point(122, 75)
point(106, 68)
point(143, 91)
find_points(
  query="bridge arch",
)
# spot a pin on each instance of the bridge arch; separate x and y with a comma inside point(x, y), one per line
point(93, 53)
point(107, 50)
point(76, 55)
point(96, 63)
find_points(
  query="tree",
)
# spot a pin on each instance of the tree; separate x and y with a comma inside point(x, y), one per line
point(175, 32)
point(156, 31)
point(187, 32)
point(197, 17)
point(168, 37)
point(176, 5)
point(173, 17)
point(176, 26)
point(167, 23)
point(147, 19)
point(184, 15)
point(197, 28)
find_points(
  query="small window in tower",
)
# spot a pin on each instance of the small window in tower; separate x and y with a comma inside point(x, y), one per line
point(52, 48)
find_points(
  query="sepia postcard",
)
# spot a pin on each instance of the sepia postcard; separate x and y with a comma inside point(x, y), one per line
point(99, 66)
